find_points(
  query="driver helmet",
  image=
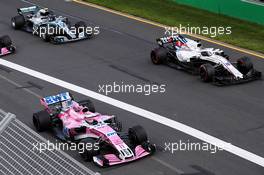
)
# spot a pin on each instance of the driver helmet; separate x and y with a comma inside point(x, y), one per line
point(44, 12)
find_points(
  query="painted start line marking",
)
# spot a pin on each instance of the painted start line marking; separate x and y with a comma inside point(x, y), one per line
point(140, 112)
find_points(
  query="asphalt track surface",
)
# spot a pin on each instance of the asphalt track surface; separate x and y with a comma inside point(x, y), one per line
point(121, 53)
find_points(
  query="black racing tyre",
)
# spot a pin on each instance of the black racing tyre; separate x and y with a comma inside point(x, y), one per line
point(80, 24)
point(5, 41)
point(138, 135)
point(158, 55)
point(80, 27)
point(88, 148)
point(244, 65)
point(18, 22)
point(41, 121)
point(89, 104)
point(207, 72)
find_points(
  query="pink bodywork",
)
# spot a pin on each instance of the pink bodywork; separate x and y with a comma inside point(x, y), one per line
point(5, 51)
point(114, 160)
point(75, 118)
point(72, 119)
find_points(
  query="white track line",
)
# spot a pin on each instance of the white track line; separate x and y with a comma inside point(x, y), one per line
point(141, 112)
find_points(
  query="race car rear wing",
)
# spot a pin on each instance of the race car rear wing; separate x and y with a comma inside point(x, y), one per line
point(50, 100)
point(31, 9)
point(171, 39)
point(166, 40)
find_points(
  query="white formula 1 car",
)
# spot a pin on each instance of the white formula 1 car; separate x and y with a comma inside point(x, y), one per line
point(212, 64)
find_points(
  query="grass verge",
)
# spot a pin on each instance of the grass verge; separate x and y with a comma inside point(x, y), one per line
point(244, 34)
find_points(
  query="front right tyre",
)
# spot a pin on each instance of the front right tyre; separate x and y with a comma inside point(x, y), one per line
point(88, 148)
point(244, 65)
point(45, 33)
point(138, 135)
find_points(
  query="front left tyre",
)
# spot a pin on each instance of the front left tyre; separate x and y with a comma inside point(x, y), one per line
point(158, 55)
point(207, 72)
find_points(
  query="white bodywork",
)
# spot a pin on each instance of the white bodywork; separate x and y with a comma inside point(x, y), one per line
point(191, 49)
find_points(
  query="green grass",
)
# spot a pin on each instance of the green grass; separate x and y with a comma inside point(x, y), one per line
point(244, 34)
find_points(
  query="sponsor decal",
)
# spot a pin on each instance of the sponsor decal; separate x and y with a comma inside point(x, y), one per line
point(57, 98)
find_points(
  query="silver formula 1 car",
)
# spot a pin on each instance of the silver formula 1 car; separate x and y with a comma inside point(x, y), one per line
point(51, 28)
point(211, 64)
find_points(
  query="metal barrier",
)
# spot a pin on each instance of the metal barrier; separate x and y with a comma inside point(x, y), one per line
point(17, 154)
point(5, 121)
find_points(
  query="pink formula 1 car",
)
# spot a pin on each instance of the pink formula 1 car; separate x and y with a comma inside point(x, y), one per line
point(6, 46)
point(100, 135)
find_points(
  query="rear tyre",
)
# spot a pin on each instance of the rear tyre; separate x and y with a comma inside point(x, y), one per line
point(88, 154)
point(41, 121)
point(158, 55)
point(18, 22)
point(207, 72)
point(89, 104)
point(244, 65)
point(138, 135)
